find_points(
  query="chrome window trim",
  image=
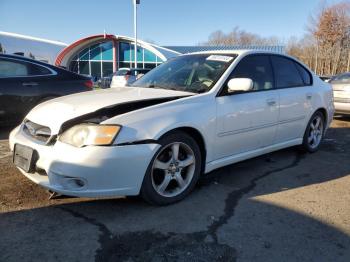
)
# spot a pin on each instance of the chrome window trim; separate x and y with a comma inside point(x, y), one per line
point(53, 72)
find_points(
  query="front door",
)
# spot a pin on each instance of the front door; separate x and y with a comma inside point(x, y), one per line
point(248, 121)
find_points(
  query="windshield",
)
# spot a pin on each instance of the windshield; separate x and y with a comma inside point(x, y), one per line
point(192, 73)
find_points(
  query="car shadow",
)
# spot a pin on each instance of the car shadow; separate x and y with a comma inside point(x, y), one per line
point(228, 216)
point(342, 117)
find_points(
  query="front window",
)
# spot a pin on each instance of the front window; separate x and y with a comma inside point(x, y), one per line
point(192, 73)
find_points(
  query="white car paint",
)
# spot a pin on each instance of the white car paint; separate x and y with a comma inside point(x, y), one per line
point(73, 106)
point(233, 128)
point(126, 80)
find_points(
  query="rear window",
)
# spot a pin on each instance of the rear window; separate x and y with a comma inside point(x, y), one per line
point(38, 70)
point(139, 71)
point(122, 72)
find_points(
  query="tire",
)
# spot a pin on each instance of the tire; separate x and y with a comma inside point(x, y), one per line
point(314, 133)
point(171, 176)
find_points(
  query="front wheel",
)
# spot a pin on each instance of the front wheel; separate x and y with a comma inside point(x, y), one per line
point(174, 170)
point(314, 133)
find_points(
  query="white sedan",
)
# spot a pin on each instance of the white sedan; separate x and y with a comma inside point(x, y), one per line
point(187, 117)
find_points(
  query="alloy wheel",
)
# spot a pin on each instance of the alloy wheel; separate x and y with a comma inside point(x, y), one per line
point(173, 169)
point(315, 132)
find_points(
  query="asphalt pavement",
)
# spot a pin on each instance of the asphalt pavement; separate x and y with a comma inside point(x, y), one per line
point(284, 206)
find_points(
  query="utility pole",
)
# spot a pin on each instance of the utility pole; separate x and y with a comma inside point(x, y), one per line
point(348, 66)
point(136, 2)
point(316, 58)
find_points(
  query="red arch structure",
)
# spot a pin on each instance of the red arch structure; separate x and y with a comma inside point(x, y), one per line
point(69, 48)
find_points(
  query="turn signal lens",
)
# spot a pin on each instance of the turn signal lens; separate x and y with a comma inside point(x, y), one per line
point(90, 134)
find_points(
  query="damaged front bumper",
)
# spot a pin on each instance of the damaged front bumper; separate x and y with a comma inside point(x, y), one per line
point(91, 171)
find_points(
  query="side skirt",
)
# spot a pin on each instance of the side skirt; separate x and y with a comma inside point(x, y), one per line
point(250, 154)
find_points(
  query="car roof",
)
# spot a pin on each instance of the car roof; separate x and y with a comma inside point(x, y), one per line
point(244, 52)
point(20, 57)
point(23, 58)
point(237, 52)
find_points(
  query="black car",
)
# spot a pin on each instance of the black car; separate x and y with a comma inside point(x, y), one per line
point(25, 82)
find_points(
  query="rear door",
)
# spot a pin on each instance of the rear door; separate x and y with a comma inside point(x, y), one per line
point(294, 83)
point(248, 121)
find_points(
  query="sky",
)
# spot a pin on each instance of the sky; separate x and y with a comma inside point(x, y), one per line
point(165, 22)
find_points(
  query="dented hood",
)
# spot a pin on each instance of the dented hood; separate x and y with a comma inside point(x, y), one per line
point(55, 112)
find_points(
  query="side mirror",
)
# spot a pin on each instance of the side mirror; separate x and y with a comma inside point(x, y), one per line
point(239, 85)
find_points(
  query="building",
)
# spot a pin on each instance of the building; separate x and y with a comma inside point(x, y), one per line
point(37, 48)
point(101, 55)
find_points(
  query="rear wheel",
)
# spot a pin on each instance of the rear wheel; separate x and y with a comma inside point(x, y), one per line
point(173, 171)
point(314, 133)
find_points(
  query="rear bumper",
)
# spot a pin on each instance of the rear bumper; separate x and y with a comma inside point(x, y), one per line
point(92, 171)
point(342, 108)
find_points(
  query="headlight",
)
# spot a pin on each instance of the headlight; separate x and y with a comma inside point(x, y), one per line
point(90, 134)
point(347, 88)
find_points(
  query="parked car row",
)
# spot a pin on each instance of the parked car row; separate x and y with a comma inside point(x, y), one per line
point(187, 117)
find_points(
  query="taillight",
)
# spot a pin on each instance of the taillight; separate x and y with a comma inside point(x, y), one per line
point(89, 84)
point(126, 77)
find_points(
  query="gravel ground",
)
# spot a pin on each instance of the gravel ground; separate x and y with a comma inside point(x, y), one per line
point(285, 206)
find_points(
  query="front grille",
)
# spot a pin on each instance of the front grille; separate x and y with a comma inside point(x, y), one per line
point(36, 131)
point(342, 99)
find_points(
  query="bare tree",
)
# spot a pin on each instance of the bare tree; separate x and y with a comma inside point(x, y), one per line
point(239, 37)
point(330, 27)
point(325, 47)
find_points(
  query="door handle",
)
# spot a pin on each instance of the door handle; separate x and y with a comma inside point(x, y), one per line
point(271, 102)
point(30, 84)
point(308, 96)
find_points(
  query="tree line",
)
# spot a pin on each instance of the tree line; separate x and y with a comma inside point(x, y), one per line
point(325, 47)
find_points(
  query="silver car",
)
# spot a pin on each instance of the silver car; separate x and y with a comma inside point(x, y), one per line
point(341, 91)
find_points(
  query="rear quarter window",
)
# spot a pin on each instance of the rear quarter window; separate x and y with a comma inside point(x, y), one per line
point(36, 70)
